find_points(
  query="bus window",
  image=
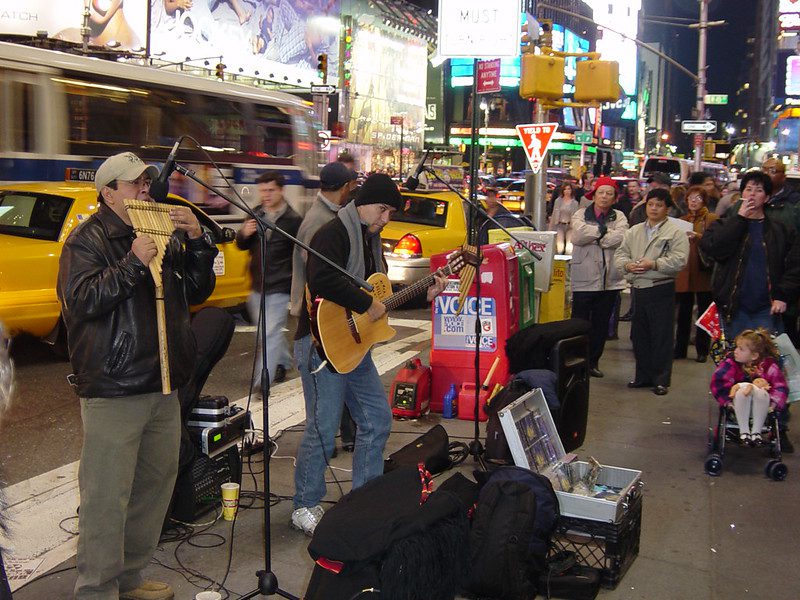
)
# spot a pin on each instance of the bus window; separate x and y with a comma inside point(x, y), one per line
point(16, 114)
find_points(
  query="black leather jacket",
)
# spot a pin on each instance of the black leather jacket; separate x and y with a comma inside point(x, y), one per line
point(108, 304)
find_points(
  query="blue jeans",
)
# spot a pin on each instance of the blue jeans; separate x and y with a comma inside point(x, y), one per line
point(744, 320)
point(275, 312)
point(325, 395)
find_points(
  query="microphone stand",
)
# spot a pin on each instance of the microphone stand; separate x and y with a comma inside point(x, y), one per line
point(267, 581)
point(476, 449)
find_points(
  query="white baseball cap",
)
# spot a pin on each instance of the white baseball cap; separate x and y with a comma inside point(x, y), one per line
point(125, 166)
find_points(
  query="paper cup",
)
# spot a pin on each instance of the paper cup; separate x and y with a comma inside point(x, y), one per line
point(208, 595)
point(230, 500)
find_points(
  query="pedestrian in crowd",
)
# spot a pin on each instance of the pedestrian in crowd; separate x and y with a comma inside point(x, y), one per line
point(651, 256)
point(707, 182)
point(565, 205)
point(586, 185)
point(497, 211)
point(270, 293)
point(6, 392)
point(751, 381)
point(658, 180)
point(352, 241)
point(757, 271)
point(631, 197)
point(757, 259)
point(335, 180)
point(730, 196)
point(693, 284)
point(131, 430)
point(597, 231)
point(678, 195)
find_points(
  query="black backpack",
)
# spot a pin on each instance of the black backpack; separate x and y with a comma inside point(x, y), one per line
point(515, 517)
point(496, 444)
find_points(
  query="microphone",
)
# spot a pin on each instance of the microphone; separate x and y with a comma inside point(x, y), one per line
point(413, 180)
point(159, 188)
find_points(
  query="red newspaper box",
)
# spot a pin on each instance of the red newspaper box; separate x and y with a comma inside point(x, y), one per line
point(453, 342)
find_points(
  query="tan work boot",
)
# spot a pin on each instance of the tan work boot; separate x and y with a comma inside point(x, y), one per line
point(149, 590)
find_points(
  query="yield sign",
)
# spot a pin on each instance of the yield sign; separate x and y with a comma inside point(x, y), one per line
point(536, 139)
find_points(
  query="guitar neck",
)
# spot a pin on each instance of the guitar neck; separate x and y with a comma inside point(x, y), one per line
point(406, 294)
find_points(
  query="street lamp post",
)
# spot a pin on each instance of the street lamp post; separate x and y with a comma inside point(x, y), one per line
point(485, 109)
point(701, 81)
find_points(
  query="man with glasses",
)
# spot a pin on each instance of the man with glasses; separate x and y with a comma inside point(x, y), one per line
point(131, 430)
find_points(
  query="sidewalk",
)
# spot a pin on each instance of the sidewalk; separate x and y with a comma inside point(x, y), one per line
point(702, 537)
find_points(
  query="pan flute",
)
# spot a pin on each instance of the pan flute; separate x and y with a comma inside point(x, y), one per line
point(149, 218)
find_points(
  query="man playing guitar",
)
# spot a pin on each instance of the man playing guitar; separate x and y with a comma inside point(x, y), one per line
point(351, 240)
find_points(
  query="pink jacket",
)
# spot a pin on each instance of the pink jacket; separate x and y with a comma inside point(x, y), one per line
point(729, 373)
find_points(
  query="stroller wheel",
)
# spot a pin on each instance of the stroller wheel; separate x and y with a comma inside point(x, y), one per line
point(713, 465)
point(776, 470)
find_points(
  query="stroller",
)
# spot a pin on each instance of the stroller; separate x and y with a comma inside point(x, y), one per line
point(723, 428)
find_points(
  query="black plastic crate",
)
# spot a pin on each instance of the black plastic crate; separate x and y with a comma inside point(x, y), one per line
point(609, 547)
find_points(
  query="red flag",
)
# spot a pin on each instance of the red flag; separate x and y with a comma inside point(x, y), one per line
point(709, 322)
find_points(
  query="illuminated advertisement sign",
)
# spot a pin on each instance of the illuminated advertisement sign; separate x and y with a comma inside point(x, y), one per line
point(279, 40)
point(563, 40)
point(110, 23)
point(383, 86)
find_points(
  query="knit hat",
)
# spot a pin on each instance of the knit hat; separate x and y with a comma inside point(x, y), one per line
point(379, 189)
point(125, 166)
point(660, 177)
point(335, 175)
point(601, 181)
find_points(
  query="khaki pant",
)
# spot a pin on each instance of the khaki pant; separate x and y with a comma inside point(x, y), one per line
point(127, 473)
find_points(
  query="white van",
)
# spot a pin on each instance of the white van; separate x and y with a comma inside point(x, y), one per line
point(679, 169)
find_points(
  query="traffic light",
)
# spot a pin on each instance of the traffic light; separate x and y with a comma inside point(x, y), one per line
point(322, 67)
point(541, 76)
point(220, 71)
point(546, 36)
point(597, 81)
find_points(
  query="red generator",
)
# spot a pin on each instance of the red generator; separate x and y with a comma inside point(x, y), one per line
point(453, 343)
point(411, 390)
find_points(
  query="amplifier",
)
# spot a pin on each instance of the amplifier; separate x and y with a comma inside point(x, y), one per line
point(218, 438)
point(197, 490)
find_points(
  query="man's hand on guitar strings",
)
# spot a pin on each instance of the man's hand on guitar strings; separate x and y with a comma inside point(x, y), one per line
point(440, 282)
point(376, 310)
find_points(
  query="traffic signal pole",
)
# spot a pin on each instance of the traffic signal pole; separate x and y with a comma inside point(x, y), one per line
point(539, 204)
point(699, 139)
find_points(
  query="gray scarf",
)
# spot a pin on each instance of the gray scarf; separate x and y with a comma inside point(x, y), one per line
point(355, 260)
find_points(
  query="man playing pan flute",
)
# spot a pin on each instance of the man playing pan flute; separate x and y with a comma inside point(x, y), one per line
point(131, 430)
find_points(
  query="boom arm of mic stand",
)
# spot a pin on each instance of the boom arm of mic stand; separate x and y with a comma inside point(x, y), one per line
point(480, 210)
point(266, 223)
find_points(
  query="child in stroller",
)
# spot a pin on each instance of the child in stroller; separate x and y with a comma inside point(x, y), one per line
point(750, 380)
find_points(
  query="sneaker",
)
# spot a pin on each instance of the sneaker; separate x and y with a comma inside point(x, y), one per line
point(149, 590)
point(306, 519)
point(756, 439)
point(744, 438)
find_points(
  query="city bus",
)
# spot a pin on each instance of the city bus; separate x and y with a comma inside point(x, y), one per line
point(679, 169)
point(61, 114)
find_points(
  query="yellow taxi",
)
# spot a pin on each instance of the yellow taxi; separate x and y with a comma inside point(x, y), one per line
point(429, 223)
point(35, 220)
point(513, 196)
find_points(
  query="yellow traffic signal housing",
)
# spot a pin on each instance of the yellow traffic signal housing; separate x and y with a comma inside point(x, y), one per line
point(220, 71)
point(541, 76)
point(597, 81)
point(322, 67)
point(546, 35)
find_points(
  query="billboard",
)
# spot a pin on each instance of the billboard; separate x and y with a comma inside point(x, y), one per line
point(275, 39)
point(383, 86)
point(110, 21)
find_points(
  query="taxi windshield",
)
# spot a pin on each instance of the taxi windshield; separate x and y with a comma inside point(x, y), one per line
point(423, 211)
point(28, 214)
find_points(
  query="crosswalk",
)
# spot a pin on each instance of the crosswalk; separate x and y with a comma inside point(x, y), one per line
point(42, 509)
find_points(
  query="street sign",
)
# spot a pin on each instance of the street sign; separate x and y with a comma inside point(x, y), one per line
point(717, 99)
point(699, 126)
point(489, 76)
point(323, 89)
point(583, 137)
point(535, 139)
point(474, 29)
point(396, 120)
point(324, 139)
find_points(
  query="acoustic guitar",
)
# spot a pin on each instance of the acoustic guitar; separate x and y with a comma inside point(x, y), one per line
point(346, 337)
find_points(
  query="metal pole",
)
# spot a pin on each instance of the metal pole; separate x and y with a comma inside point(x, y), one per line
point(539, 181)
point(473, 157)
point(701, 81)
point(400, 170)
point(584, 120)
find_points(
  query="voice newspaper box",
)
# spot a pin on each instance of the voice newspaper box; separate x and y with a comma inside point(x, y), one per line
point(453, 343)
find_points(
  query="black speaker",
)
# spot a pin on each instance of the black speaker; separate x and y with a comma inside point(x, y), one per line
point(569, 359)
point(197, 488)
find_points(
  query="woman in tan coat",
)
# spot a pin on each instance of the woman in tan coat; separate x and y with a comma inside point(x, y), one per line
point(693, 284)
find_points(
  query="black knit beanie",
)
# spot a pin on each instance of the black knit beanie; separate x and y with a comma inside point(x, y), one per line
point(379, 189)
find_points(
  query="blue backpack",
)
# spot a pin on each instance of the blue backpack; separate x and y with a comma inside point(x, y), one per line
point(515, 517)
